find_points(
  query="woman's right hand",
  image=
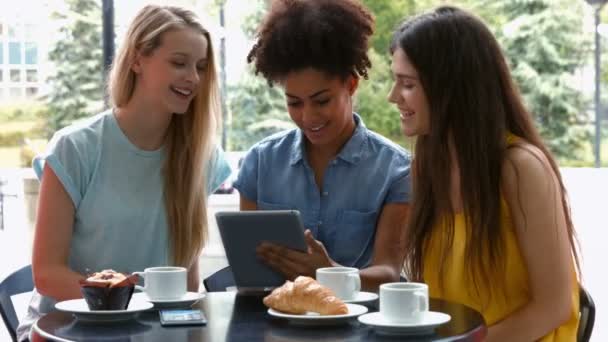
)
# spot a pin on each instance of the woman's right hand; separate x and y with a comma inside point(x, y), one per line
point(52, 237)
point(293, 263)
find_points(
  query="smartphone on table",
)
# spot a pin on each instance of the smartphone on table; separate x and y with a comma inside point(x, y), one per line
point(182, 317)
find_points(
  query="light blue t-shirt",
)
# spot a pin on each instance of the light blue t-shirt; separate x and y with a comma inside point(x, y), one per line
point(369, 172)
point(117, 191)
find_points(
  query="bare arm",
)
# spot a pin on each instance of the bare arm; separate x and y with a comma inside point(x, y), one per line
point(389, 250)
point(246, 204)
point(53, 233)
point(533, 195)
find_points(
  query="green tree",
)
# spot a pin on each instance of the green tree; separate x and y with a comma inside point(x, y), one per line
point(545, 45)
point(77, 85)
point(371, 100)
point(257, 111)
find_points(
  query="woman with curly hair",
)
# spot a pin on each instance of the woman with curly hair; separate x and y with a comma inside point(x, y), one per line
point(490, 225)
point(350, 184)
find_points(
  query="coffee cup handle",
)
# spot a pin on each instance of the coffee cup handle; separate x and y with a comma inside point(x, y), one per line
point(143, 275)
point(423, 302)
point(357, 282)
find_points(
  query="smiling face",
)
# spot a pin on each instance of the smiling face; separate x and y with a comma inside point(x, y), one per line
point(408, 95)
point(321, 105)
point(170, 76)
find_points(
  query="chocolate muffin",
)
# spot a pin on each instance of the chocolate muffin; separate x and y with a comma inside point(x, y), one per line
point(108, 290)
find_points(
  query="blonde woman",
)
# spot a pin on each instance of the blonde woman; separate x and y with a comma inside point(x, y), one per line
point(127, 189)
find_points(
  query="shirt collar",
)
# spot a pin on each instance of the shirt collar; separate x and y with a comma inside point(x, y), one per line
point(352, 152)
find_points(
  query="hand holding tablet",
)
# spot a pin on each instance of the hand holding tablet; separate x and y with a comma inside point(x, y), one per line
point(293, 263)
point(243, 231)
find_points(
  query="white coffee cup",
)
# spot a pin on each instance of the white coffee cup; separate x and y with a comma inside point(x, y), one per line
point(344, 281)
point(404, 302)
point(164, 283)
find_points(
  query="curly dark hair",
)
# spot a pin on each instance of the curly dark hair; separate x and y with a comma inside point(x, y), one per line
point(331, 36)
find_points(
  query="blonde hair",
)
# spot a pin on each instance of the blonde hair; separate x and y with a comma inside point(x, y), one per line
point(190, 138)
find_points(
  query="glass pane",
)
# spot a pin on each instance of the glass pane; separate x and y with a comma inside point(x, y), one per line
point(12, 32)
point(31, 75)
point(1, 29)
point(31, 92)
point(14, 53)
point(15, 92)
point(1, 53)
point(1, 93)
point(30, 31)
point(15, 75)
point(31, 53)
point(1, 75)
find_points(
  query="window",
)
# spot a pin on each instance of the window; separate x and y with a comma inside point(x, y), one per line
point(30, 31)
point(14, 53)
point(1, 53)
point(1, 94)
point(31, 53)
point(15, 75)
point(31, 91)
point(12, 31)
point(15, 93)
point(1, 75)
point(1, 29)
point(31, 75)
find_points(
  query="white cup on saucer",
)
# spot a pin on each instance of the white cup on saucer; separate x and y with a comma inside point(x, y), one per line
point(404, 302)
point(164, 283)
point(344, 281)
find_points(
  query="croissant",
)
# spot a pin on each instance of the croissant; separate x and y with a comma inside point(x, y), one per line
point(305, 294)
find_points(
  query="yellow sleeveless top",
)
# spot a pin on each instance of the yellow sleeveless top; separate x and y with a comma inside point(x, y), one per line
point(457, 287)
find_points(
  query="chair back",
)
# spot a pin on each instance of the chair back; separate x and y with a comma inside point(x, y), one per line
point(220, 280)
point(587, 316)
point(18, 282)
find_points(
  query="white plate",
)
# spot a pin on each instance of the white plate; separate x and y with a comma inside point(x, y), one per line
point(80, 309)
point(427, 325)
point(314, 318)
point(185, 301)
point(363, 297)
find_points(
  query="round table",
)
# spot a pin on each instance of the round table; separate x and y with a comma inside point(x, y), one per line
point(235, 317)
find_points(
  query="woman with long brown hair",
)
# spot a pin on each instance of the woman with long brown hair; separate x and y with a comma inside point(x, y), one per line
point(127, 189)
point(489, 225)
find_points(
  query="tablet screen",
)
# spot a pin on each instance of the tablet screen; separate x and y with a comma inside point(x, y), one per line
point(243, 231)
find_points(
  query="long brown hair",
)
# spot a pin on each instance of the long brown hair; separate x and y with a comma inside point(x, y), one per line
point(473, 102)
point(190, 138)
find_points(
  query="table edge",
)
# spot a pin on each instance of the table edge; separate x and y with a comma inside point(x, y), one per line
point(42, 333)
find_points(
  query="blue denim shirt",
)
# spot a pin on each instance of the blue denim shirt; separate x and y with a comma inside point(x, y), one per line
point(369, 172)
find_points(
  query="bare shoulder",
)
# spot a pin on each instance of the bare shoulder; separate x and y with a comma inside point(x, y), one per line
point(526, 170)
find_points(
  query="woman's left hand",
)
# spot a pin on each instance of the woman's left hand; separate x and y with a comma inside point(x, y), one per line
point(292, 263)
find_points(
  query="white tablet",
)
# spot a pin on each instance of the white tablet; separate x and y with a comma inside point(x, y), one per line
point(243, 231)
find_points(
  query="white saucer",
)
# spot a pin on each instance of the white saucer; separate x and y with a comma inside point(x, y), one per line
point(313, 318)
point(185, 301)
point(80, 309)
point(427, 325)
point(362, 297)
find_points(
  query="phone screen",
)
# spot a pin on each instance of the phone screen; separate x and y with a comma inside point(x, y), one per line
point(182, 317)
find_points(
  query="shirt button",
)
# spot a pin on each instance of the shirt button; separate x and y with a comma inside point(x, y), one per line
point(325, 193)
point(320, 223)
